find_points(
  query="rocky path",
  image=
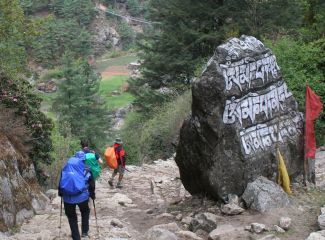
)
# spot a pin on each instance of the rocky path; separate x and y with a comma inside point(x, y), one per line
point(153, 204)
point(121, 213)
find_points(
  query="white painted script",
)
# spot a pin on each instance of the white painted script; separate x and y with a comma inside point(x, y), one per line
point(261, 136)
point(243, 72)
point(253, 104)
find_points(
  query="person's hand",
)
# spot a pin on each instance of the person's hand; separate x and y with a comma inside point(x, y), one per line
point(100, 160)
point(92, 196)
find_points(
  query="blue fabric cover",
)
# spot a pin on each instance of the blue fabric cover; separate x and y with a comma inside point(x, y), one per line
point(74, 179)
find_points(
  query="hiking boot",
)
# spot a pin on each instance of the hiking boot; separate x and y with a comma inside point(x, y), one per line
point(119, 185)
point(110, 182)
point(84, 235)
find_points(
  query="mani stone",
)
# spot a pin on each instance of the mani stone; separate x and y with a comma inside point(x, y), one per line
point(241, 110)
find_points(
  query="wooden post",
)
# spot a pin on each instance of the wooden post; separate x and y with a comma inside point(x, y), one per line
point(305, 150)
point(277, 148)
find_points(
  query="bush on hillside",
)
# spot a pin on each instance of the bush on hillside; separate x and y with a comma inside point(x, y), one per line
point(17, 96)
point(146, 140)
point(303, 63)
point(32, 6)
point(127, 35)
point(131, 134)
point(51, 74)
point(63, 148)
point(134, 7)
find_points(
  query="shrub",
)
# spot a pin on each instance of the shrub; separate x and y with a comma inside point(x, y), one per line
point(50, 74)
point(63, 148)
point(134, 7)
point(131, 134)
point(163, 129)
point(150, 139)
point(127, 35)
point(303, 63)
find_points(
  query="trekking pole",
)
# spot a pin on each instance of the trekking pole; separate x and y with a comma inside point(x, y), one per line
point(60, 219)
point(96, 217)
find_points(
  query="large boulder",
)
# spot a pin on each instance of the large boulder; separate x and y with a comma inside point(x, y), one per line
point(263, 195)
point(241, 110)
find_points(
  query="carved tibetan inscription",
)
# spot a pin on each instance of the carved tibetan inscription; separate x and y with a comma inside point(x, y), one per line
point(261, 112)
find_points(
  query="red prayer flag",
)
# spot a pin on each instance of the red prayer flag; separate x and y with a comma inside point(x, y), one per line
point(313, 108)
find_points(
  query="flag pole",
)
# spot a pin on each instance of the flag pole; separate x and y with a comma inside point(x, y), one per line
point(305, 131)
point(277, 148)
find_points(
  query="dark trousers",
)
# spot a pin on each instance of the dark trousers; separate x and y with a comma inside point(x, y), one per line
point(70, 211)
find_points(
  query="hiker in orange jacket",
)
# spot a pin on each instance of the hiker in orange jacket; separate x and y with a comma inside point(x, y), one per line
point(120, 156)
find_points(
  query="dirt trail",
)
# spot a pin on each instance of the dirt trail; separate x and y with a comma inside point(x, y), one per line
point(115, 70)
point(135, 206)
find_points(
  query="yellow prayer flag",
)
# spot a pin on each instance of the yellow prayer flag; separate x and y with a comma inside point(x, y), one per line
point(283, 178)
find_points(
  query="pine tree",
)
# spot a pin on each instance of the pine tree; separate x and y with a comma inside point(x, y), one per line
point(187, 32)
point(314, 20)
point(78, 102)
point(267, 18)
point(60, 35)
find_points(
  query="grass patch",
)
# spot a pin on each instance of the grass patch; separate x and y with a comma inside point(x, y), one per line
point(103, 63)
point(113, 54)
point(111, 90)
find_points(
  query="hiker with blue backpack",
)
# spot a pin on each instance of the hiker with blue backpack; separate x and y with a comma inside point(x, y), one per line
point(76, 185)
point(93, 159)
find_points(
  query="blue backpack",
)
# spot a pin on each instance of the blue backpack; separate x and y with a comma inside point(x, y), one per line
point(73, 180)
